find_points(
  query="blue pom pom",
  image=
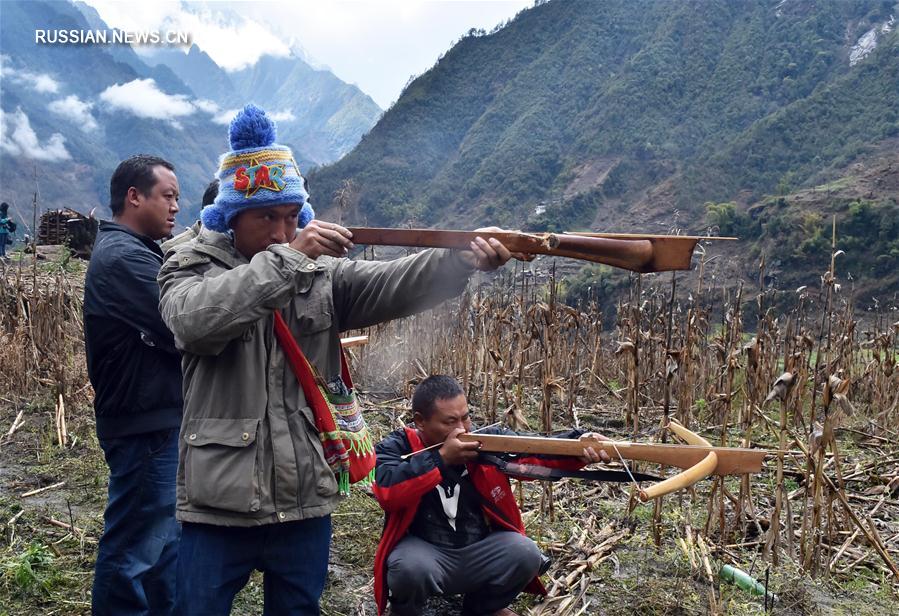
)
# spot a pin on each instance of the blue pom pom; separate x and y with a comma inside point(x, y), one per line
point(306, 215)
point(251, 128)
point(213, 218)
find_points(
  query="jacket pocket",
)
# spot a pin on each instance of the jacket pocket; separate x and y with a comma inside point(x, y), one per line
point(311, 453)
point(220, 465)
point(312, 310)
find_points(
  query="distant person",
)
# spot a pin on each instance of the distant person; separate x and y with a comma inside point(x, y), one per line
point(136, 373)
point(7, 228)
point(257, 302)
point(211, 192)
point(452, 524)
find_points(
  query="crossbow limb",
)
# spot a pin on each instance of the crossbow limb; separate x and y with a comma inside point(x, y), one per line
point(688, 477)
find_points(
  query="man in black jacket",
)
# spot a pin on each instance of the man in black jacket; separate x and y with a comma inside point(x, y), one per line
point(136, 374)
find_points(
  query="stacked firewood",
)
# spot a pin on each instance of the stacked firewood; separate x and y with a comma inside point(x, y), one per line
point(67, 227)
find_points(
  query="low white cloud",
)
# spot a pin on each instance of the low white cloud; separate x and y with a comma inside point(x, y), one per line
point(219, 115)
point(39, 82)
point(144, 99)
point(75, 109)
point(224, 118)
point(210, 107)
point(283, 116)
point(19, 139)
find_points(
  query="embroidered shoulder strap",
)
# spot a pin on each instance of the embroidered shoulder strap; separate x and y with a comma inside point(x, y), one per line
point(346, 441)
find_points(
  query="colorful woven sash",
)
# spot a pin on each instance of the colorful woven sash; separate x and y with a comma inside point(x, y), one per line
point(346, 441)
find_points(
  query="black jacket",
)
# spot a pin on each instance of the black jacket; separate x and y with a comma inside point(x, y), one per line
point(395, 475)
point(131, 357)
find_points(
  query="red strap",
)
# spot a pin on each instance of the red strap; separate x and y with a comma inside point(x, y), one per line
point(303, 371)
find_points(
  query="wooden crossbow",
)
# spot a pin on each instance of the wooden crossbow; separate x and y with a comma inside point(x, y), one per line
point(698, 458)
point(635, 252)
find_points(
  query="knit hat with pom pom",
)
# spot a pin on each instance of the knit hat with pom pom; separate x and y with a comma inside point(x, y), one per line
point(257, 172)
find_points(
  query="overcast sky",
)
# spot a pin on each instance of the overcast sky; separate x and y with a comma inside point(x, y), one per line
point(375, 44)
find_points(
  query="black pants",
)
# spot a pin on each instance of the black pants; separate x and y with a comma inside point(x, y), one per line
point(490, 573)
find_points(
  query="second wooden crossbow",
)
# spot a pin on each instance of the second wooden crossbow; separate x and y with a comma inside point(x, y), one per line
point(698, 457)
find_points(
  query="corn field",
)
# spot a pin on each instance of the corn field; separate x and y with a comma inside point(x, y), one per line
point(817, 385)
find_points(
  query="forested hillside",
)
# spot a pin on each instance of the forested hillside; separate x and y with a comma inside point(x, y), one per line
point(621, 115)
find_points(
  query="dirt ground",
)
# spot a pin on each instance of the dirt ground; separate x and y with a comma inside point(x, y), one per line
point(608, 558)
point(46, 567)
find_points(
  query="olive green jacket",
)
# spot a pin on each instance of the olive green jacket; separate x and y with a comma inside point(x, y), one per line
point(249, 452)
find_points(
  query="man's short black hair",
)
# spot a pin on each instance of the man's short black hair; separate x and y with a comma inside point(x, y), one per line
point(433, 388)
point(211, 192)
point(137, 171)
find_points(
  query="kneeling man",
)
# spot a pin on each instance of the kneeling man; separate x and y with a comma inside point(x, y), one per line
point(453, 526)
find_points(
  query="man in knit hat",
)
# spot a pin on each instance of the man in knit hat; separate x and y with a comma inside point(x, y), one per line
point(256, 486)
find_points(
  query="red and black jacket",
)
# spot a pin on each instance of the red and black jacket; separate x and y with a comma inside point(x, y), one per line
point(401, 484)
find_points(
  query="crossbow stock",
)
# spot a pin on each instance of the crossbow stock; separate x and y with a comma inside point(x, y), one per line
point(698, 457)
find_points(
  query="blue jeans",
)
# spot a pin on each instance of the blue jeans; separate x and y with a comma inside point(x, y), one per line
point(215, 562)
point(3, 241)
point(135, 569)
